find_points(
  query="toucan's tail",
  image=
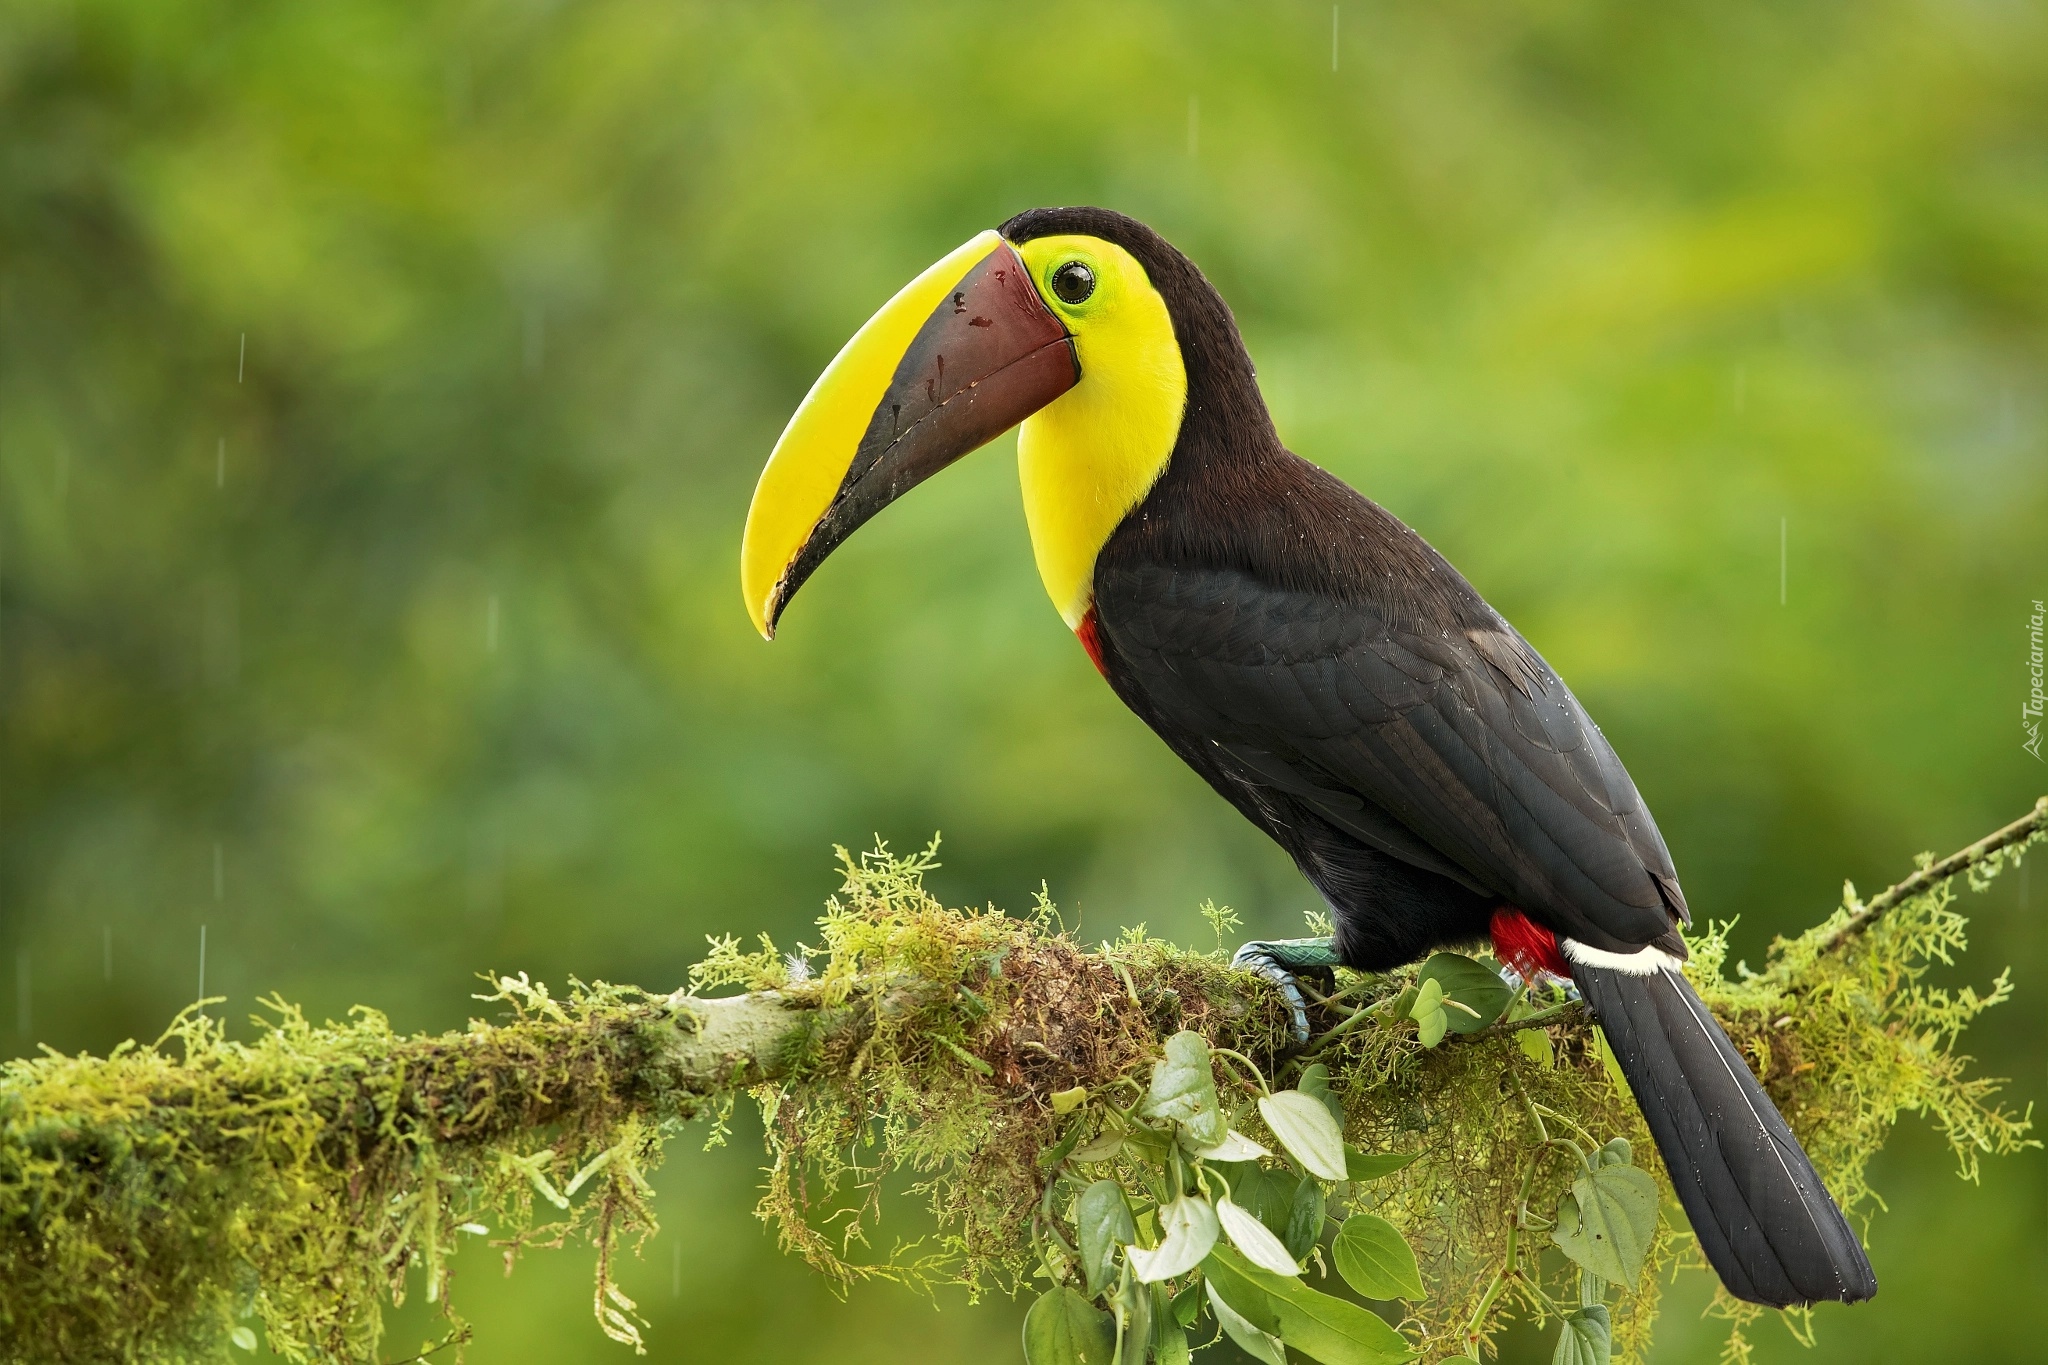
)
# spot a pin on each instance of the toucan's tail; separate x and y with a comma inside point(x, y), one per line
point(1762, 1216)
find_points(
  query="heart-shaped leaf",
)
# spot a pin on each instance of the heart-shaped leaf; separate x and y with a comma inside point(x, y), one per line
point(1133, 1308)
point(1427, 1010)
point(1304, 1227)
point(1476, 993)
point(1255, 1239)
point(1169, 1337)
point(1375, 1259)
point(1234, 1147)
point(1307, 1131)
point(1315, 1080)
point(1431, 1027)
point(1606, 1222)
point(1329, 1329)
point(1375, 1165)
point(1103, 1220)
point(1187, 1232)
point(1184, 1089)
point(1101, 1147)
point(1268, 1191)
point(1253, 1342)
point(1587, 1338)
point(1063, 1328)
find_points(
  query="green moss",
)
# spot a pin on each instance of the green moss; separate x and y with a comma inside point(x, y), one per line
point(154, 1201)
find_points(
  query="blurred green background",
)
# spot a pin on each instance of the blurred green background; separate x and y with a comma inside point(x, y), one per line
point(382, 386)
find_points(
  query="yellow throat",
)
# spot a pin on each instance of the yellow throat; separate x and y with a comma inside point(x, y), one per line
point(1090, 456)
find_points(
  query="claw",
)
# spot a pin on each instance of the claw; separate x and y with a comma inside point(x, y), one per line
point(1266, 960)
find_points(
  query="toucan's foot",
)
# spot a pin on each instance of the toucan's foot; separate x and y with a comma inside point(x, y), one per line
point(1284, 962)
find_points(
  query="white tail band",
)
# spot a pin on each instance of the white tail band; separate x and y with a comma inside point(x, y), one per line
point(1639, 963)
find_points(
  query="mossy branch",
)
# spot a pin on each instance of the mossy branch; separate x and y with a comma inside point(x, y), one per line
point(163, 1201)
point(1986, 851)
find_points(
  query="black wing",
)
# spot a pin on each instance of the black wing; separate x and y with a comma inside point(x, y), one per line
point(1458, 751)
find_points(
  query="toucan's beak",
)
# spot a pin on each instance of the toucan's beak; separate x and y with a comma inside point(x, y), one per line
point(963, 353)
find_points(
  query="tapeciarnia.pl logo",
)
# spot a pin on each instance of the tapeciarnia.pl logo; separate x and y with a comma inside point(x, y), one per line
point(2030, 710)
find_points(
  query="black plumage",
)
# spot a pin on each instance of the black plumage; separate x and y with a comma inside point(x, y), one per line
point(1337, 681)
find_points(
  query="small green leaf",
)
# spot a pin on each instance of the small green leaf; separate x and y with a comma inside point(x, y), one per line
point(1169, 1338)
point(1587, 1338)
point(1267, 1191)
point(243, 1338)
point(1608, 1061)
point(1170, 1344)
point(1606, 1222)
point(1307, 1131)
point(1253, 1342)
point(1329, 1329)
point(1255, 1239)
point(1063, 1328)
point(1234, 1147)
point(1184, 1089)
point(1428, 996)
point(1103, 1220)
point(1187, 1305)
point(1315, 1080)
point(1063, 1148)
point(1616, 1153)
point(1133, 1322)
point(1535, 1045)
point(1187, 1231)
point(1067, 1101)
point(1375, 1259)
point(1431, 1027)
point(1304, 1226)
point(1101, 1147)
point(1375, 1165)
point(1476, 990)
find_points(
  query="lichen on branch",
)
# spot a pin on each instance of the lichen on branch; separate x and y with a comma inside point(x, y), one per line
point(166, 1199)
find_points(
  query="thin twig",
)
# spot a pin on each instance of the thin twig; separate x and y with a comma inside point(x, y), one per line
point(459, 1337)
point(2033, 823)
point(1553, 1014)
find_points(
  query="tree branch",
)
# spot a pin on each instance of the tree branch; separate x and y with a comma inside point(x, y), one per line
point(2029, 827)
point(150, 1198)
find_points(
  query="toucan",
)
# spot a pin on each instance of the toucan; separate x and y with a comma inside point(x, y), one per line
point(1321, 666)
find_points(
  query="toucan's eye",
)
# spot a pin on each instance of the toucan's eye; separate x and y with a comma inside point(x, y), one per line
point(1073, 282)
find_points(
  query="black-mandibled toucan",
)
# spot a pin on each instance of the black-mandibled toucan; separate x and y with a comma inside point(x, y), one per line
point(1323, 668)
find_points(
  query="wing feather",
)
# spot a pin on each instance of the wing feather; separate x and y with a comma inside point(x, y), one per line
point(1457, 750)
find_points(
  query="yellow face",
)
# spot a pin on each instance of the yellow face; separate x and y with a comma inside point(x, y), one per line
point(1090, 456)
point(1064, 334)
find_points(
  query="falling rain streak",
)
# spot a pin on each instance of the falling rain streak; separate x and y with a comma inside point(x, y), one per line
point(1781, 560)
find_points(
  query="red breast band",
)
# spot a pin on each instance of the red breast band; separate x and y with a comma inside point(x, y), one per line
point(1085, 633)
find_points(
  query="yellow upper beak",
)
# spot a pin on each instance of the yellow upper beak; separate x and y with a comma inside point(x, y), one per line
point(961, 354)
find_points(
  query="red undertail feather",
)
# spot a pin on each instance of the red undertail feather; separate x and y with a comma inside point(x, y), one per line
point(1525, 945)
point(1085, 632)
